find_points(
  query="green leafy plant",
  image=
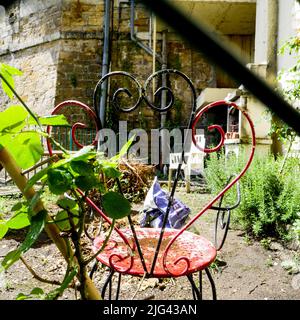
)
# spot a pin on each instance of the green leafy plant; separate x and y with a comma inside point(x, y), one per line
point(270, 200)
point(290, 78)
point(289, 81)
point(69, 180)
point(8, 72)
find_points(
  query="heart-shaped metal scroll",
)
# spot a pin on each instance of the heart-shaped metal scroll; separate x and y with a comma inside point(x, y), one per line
point(183, 260)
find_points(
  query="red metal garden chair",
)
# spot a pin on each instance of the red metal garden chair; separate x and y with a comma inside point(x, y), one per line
point(161, 252)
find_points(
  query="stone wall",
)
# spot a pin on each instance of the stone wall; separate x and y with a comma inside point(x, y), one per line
point(57, 46)
point(37, 64)
point(29, 41)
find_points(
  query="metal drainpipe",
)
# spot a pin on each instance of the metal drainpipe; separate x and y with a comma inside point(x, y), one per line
point(153, 44)
point(164, 76)
point(160, 58)
point(133, 36)
point(163, 115)
point(105, 61)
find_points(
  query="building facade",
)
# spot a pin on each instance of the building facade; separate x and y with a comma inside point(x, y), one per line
point(58, 45)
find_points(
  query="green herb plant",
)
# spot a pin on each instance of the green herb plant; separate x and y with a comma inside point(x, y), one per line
point(270, 201)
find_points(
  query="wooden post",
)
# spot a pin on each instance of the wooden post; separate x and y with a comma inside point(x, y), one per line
point(170, 179)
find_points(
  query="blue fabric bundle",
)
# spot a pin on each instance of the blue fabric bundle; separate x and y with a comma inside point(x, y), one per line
point(155, 207)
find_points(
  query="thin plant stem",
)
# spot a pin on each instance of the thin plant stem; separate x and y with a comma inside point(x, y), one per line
point(286, 155)
point(103, 244)
point(22, 102)
point(139, 287)
point(36, 276)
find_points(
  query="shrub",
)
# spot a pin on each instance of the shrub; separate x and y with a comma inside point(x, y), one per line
point(270, 201)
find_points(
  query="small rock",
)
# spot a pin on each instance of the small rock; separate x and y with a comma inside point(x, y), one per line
point(149, 283)
point(162, 286)
point(275, 246)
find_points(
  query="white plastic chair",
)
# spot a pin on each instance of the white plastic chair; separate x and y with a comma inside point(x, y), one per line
point(195, 160)
point(193, 165)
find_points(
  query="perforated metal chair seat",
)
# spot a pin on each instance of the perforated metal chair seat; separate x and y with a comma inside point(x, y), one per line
point(198, 251)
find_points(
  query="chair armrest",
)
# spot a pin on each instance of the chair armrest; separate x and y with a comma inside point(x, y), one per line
point(238, 201)
point(222, 222)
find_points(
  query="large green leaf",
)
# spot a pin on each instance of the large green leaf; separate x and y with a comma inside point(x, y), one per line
point(59, 180)
point(5, 140)
point(12, 119)
point(115, 205)
point(86, 183)
point(62, 219)
point(38, 176)
point(83, 154)
point(3, 228)
point(53, 120)
point(67, 203)
point(8, 72)
point(124, 149)
point(82, 167)
point(110, 170)
point(18, 221)
point(36, 227)
point(26, 148)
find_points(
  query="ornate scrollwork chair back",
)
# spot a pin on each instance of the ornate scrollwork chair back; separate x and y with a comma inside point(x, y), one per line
point(161, 252)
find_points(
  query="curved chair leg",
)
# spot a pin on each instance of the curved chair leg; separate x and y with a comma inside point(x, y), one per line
point(118, 286)
point(94, 269)
point(197, 294)
point(212, 283)
point(200, 284)
point(108, 282)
